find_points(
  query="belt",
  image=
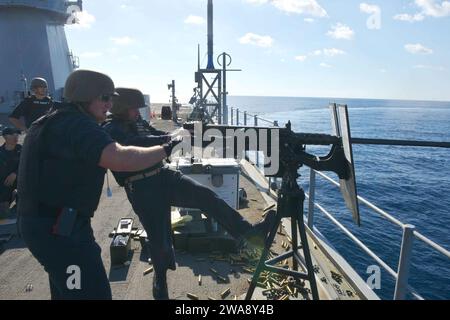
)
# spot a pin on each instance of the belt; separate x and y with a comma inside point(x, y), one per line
point(142, 176)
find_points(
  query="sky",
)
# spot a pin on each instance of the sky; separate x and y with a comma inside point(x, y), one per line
point(380, 49)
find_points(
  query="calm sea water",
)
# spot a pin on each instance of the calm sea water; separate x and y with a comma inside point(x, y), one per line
point(412, 184)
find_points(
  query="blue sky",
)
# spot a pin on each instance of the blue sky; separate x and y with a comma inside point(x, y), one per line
point(310, 48)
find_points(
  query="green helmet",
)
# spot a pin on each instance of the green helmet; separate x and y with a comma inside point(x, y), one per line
point(127, 99)
point(38, 83)
point(86, 86)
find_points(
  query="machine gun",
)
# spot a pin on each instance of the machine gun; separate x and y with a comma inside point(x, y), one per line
point(291, 147)
point(292, 155)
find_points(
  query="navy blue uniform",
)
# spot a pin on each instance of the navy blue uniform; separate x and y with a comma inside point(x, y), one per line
point(9, 163)
point(59, 171)
point(32, 108)
point(153, 197)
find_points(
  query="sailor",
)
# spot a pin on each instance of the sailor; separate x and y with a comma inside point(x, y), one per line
point(33, 107)
point(9, 165)
point(62, 167)
point(153, 191)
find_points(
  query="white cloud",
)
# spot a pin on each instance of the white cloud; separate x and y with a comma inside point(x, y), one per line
point(195, 20)
point(428, 8)
point(84, 20)
point(300, 58)
point(341, 31)
point(308, 7)
point(309, 20)
point(331, 52)
point(433, 9)
point(257, 40)
point(325, 65)
point(122, 41)
point(91, 55)
point(369, 8)
point(409, 18)
point(418, 49)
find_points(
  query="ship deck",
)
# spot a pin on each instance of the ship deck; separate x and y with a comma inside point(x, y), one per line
point(23, 278)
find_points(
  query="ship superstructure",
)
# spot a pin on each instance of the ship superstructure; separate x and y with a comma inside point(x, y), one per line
point(34, 44)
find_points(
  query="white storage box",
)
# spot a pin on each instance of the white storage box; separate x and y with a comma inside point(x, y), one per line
point(220, 175)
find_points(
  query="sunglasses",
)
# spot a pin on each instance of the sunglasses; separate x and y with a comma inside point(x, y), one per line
point(106, 98)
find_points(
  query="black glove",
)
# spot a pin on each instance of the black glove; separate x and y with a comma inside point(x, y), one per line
point(168, 147)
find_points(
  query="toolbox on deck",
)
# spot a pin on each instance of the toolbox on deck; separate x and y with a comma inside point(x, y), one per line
point(121, 242)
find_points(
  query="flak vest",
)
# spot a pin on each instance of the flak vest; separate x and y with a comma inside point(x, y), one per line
point(48, 184)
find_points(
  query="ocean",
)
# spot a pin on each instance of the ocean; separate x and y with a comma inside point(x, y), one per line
point(412, 184)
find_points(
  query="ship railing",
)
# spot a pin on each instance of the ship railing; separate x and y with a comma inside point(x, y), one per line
point(410, 233)
point(238, 118)
point(401, 275)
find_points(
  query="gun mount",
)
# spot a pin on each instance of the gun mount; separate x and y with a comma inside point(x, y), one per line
point(287, 150)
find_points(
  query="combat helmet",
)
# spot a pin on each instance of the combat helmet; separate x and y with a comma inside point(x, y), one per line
point(87, 85)
point(127, 99)
point(38, 83)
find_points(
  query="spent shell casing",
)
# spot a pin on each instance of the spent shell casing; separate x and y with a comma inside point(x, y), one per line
point(225, 293)
point(192, 296)
point(147, 271)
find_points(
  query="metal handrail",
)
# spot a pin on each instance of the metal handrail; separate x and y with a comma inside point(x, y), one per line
point(409, 233)
point(256, 118)
point(386, 215)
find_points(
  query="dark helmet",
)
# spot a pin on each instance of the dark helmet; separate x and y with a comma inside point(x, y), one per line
point(38, 83)
point(127, 99)
point(10, 130)
point(86, 86)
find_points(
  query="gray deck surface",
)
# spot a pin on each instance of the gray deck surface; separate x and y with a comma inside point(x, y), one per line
point(19, 268)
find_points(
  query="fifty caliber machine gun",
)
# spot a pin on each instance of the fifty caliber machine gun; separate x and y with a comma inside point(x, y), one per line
point(292, 155)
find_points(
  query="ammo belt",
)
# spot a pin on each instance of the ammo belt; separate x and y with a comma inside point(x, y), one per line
point(142, 176)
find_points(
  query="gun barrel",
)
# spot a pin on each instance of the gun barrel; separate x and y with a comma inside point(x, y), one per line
point(404, 143)
point(285, 134)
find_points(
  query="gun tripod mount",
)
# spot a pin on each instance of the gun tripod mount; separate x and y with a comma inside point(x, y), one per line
point(292, 156)
point(290, 205)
